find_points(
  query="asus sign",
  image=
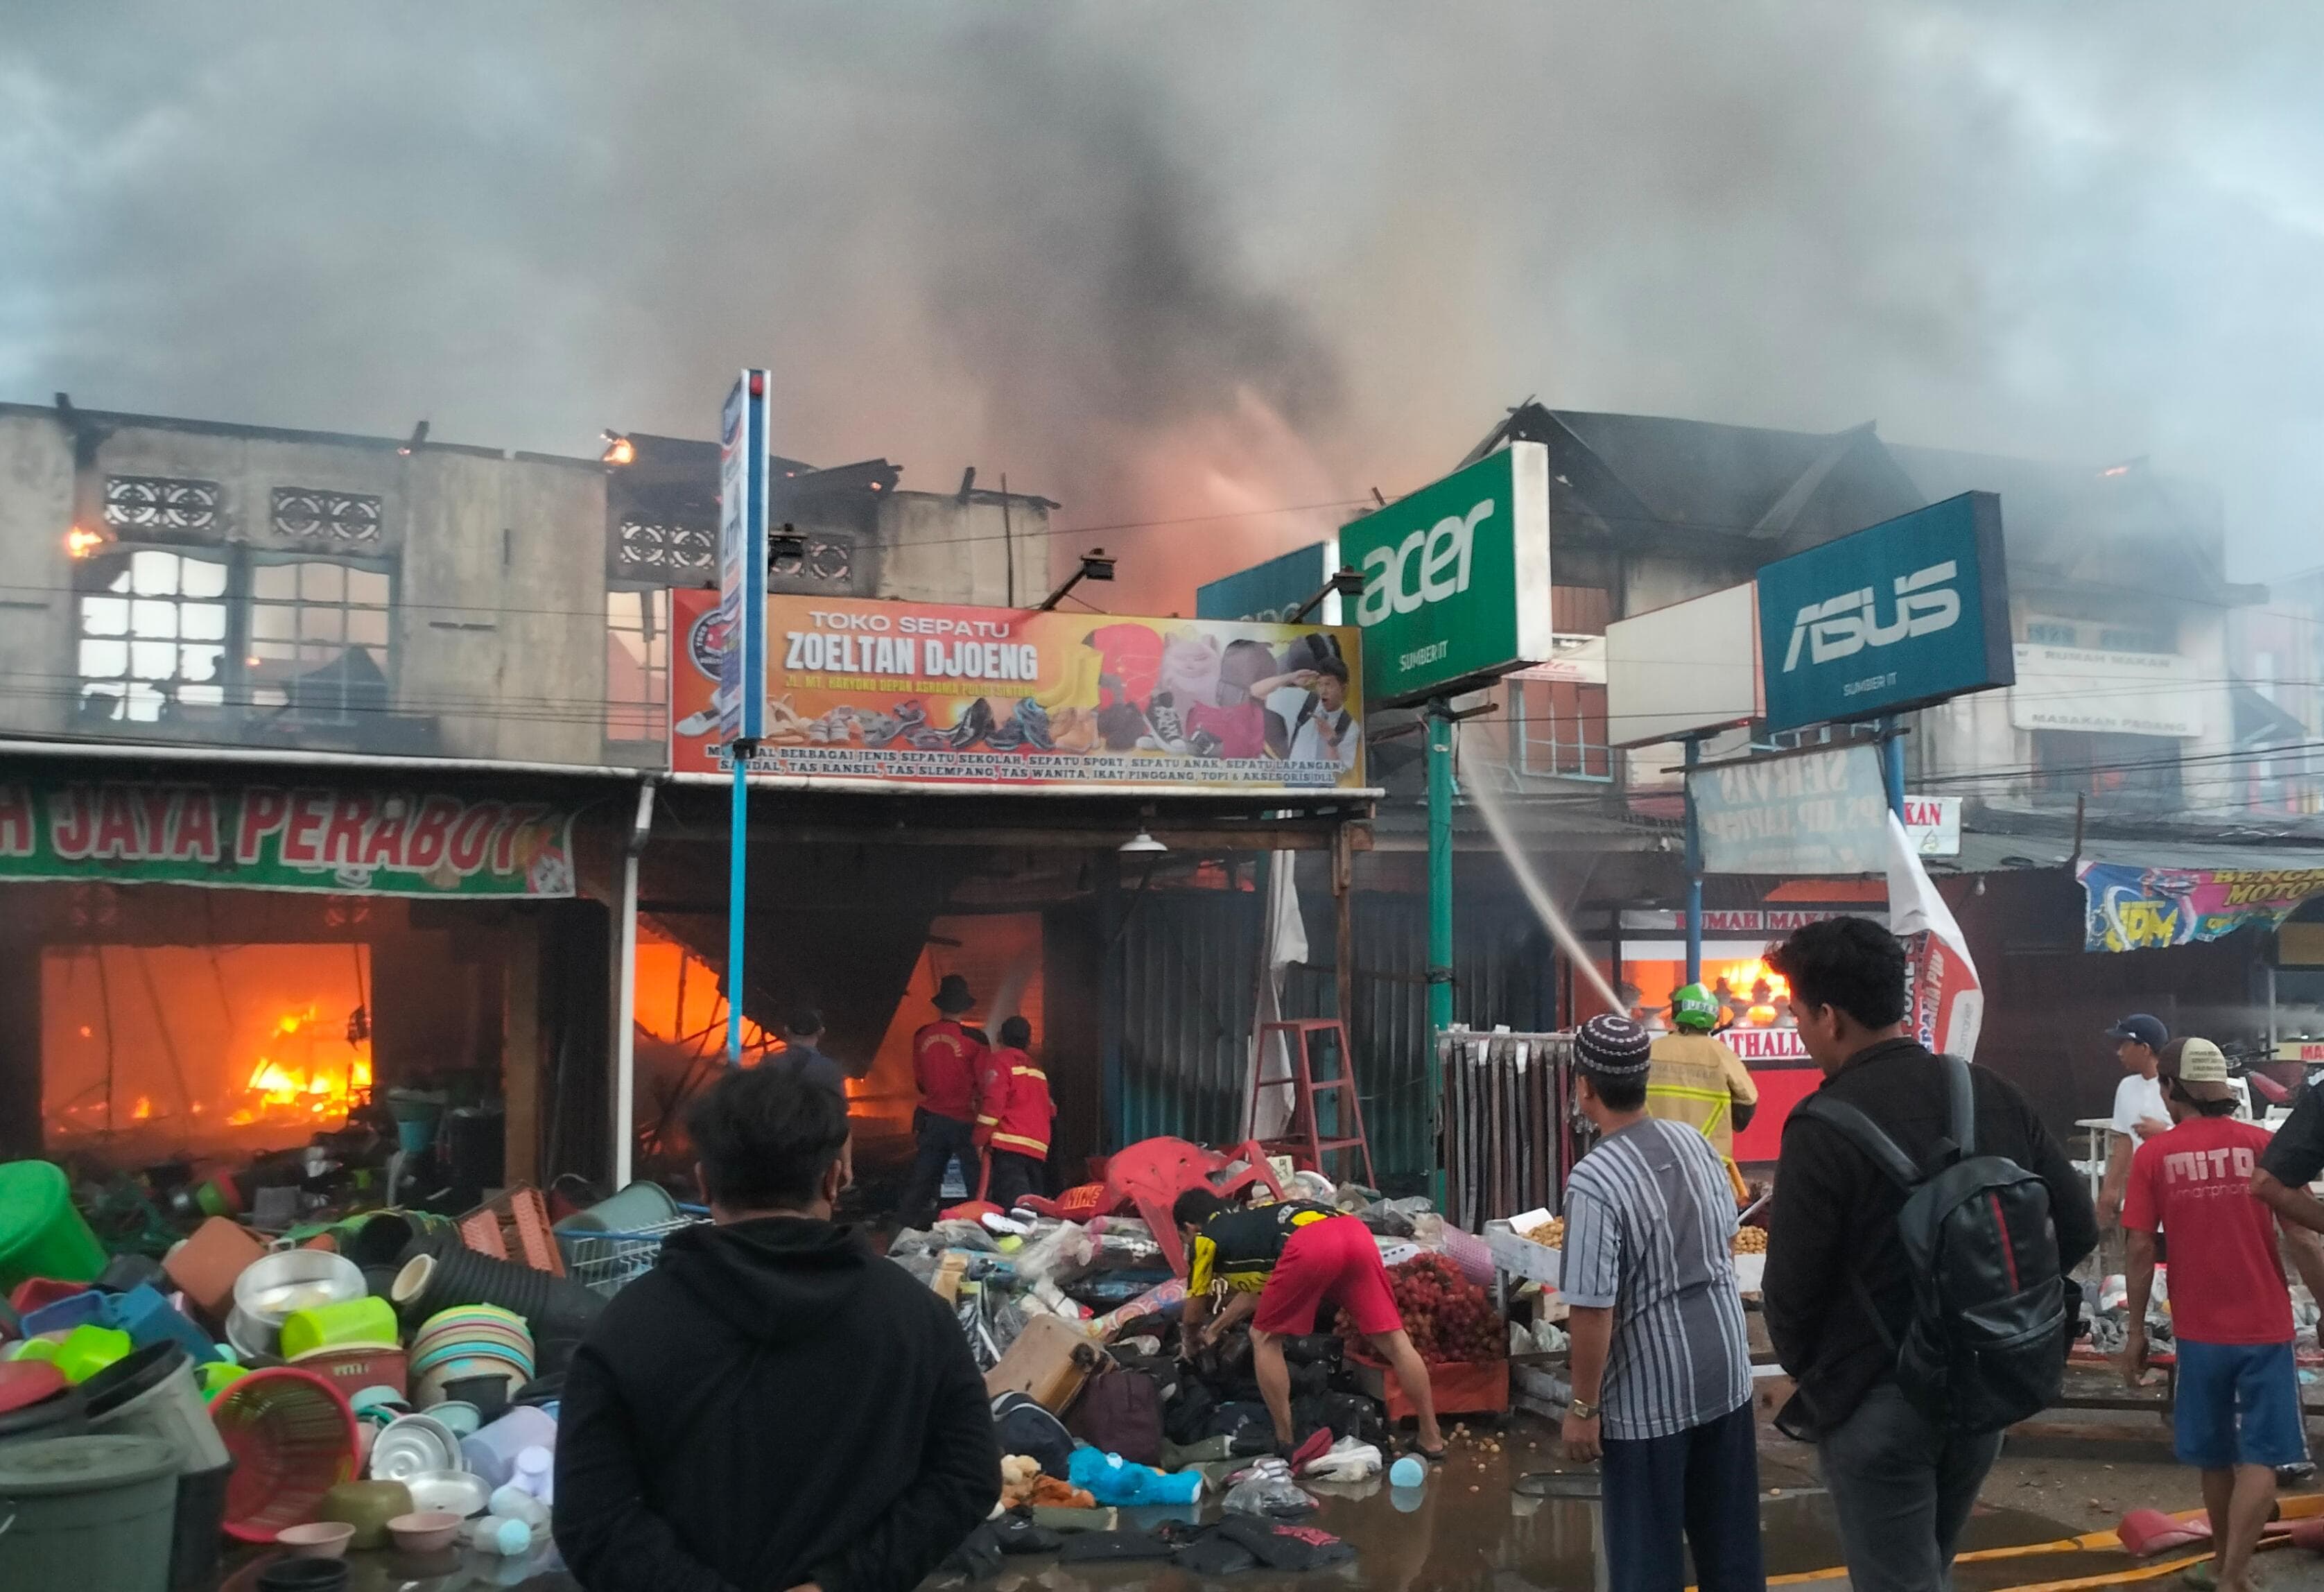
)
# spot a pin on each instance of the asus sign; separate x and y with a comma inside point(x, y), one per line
point(1907, 612)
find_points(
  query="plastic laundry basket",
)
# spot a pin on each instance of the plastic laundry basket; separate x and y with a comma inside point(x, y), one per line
point(292, 1437)
point(41, 1235)
point(81, 1513)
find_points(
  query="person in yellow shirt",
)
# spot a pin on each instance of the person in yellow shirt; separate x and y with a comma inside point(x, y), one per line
point(1695, 1079)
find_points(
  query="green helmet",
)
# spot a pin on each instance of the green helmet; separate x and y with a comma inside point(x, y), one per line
point(1694, 1007)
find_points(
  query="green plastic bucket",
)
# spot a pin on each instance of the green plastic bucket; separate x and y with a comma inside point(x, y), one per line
point(81, 1513)
point(41, 1233)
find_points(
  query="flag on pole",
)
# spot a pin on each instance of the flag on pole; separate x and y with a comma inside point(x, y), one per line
point(1948, 1002)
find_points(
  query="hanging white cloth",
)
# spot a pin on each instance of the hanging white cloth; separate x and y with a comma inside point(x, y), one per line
point(1284, 940)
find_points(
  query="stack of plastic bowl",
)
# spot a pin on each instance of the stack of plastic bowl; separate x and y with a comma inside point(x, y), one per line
point(271, 1289)
point(466, 1344)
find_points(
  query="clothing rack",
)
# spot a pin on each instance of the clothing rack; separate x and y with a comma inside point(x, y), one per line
point(1505, 1124)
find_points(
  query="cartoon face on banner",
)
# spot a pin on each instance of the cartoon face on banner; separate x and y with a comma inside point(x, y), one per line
point(926, 692)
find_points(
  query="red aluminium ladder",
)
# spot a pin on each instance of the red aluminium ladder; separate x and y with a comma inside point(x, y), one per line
point(1303, 1138)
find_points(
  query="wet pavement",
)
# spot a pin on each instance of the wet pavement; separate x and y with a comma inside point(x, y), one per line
point(1504, 1514)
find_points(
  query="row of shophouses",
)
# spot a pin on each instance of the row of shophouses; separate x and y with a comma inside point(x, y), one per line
point(421, 690)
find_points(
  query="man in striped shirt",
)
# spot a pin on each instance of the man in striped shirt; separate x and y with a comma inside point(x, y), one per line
point(1662, 1370)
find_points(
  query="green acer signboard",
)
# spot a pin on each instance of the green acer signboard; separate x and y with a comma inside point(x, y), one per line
point(1456, 580)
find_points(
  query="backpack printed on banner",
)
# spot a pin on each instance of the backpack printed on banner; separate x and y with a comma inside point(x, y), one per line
point(1986, 1344)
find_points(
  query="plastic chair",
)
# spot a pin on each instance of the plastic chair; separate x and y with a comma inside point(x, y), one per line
point(1150, 1175)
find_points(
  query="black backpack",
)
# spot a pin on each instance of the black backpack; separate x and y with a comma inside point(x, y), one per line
point(1986, 1344)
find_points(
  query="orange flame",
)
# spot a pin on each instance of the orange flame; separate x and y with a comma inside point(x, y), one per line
point(80, 543)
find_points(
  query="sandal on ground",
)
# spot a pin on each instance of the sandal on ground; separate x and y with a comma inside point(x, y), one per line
point(2202, 1575)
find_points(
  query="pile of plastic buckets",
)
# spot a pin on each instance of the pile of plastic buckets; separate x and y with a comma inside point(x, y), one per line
point(88, 1512)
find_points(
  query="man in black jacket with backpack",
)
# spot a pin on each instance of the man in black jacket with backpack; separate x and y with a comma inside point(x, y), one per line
point(1842, 1291)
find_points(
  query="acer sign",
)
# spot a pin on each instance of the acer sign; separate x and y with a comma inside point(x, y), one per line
point(1906, 613)
point(1456, 580)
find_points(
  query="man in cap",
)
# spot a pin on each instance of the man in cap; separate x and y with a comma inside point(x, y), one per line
point(2138, 1106)
point(946, 1062)
point(1661, 1366)
point(1696, 1079)
point(2236, 1418)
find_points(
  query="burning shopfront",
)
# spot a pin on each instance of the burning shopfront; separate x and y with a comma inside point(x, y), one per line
point(210, 964)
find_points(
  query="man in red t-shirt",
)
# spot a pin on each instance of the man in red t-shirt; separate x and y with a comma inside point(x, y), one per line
point(946, 1062)
point(2237, 1412)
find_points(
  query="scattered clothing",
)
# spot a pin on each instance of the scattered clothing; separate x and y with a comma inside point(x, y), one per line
point(684, 1408)
point(1098, 1547)
point(2227, 1274)
point(1697, 1081)
point(1284, 1546)
point(1697, 1489)
point(1649, 1234)
point(1214, 1555)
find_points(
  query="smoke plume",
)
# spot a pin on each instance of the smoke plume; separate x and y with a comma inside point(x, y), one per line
point(1186, 263)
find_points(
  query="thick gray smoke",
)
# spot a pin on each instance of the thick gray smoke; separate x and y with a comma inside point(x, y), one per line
point(1164, 262)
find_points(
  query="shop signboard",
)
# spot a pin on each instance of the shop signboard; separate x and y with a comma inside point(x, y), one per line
point(2112, 693)
point(1272, 592)
point(320, 837)
point(932, 693)
point(741, 701)
point(2129, 907)
point(1456, 580)
point(1905, 613)
point(1765, 1047)
point(2306, 1051)
point(1819, 813)
point(1932, 823)
point(1679, 671)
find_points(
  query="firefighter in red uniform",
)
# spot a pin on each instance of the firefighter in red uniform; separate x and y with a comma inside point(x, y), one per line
point(1013, 1116)
point(946, 1062)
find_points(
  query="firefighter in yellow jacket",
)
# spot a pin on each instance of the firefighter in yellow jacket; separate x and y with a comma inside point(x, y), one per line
point(1696, 1079)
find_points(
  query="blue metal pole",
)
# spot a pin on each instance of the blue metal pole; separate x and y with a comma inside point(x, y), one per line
point(1892, 763)
point(1693, 870)
point(737, 884)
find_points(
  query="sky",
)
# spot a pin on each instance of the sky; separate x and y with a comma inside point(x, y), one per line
point(1226, 266)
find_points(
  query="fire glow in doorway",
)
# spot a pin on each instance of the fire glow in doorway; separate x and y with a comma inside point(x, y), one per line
point(146, 1051)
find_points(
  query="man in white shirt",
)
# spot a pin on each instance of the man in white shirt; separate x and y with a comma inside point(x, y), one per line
point(1326, 731)
point(2139, 1113)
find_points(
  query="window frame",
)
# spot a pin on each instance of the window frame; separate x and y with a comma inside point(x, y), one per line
point(652, 711)
point(237, 681)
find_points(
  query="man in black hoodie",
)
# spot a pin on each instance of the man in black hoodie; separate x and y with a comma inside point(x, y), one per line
point(773, 1406)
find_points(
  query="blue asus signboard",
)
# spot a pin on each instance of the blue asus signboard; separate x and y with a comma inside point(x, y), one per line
point(1271, 592)
point(1906, 613)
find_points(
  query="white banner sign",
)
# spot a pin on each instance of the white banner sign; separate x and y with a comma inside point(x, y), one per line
point(2114, 693)
point(1932, 823)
